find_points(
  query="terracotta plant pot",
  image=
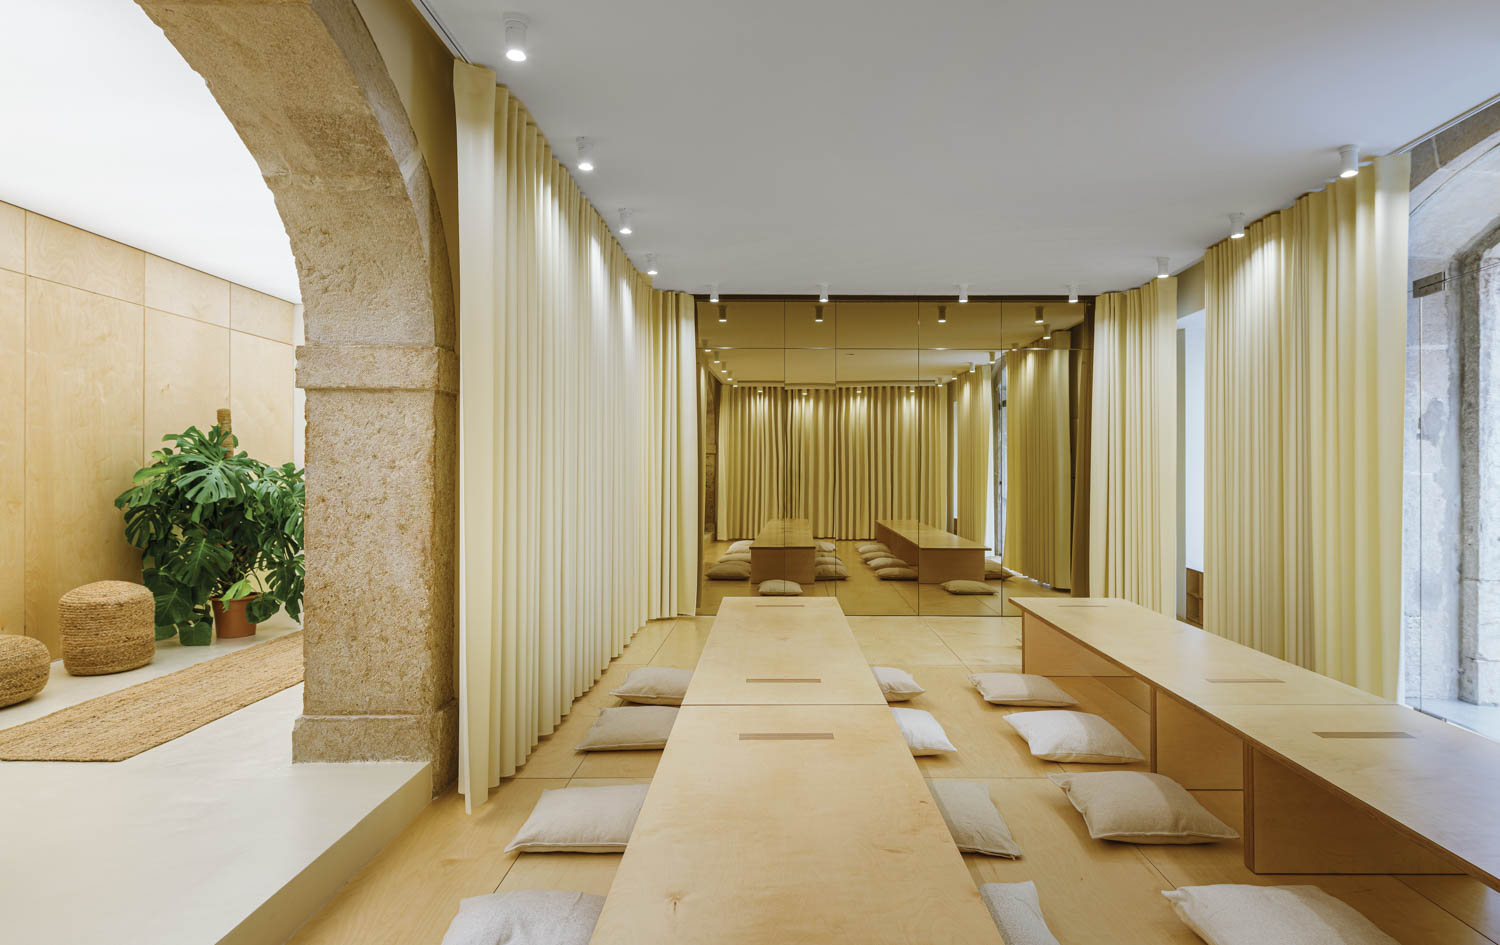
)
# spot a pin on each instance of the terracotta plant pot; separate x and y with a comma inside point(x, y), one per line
point(230, 621)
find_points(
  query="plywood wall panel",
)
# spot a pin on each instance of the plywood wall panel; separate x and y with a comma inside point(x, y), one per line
point(12, 451)
point(182, 290)
point(262, 379)
point(73, 257)
point(83, 443)
point(186, 376)
point(12, 238)
point(261, 314)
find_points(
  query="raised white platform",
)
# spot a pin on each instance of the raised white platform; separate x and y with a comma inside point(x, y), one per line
point(215, 837)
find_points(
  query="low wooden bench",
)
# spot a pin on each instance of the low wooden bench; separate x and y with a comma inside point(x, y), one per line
point(1334, 779)
point(937, 555)
point(784, 550)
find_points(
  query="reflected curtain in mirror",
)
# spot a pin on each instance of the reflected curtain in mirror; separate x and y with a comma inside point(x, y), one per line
point(973, 422)
point(1038, 466)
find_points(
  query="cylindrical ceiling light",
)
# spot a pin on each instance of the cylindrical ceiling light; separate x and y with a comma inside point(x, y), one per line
point(963, 292)
point(1349, 160)
point(823, 292)
point(515, 37)
point(713, 296)
point(1162, 267)
point(585, 154)
point(1073, 293)
point(650, 264)
point(942, 314)
point(818, 314)
point(626, 217)
point(1038, 318)
point(1236, 226)
point(1048, 335)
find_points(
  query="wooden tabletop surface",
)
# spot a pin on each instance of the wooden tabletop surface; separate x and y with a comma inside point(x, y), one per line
point(784, 533)
point(928, 538)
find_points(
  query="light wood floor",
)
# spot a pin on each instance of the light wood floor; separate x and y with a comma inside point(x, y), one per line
point(862, 593)
point(1093, 892)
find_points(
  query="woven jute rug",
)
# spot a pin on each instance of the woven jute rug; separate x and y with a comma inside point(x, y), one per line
point(125, 723)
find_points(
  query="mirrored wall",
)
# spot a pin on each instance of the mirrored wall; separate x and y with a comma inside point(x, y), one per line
point(864, 449)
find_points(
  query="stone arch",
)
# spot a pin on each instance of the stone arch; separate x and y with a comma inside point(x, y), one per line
point(304, 85)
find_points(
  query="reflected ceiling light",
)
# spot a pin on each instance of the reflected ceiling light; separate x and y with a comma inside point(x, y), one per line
point(963, 292)
point(1349, 160)
point(971, 367)
point(913, 390)
point(626, 216)
point(818, 314)
point(585, 154)
point(1162, 270)
point(1073, 293)
point(760, 390)
point(717, 361)
point(515, 37)
point(1048, 335)
point(1236, 226)
point(804, 392)
point(650, 264)
point(859, 390)
point(823, 292)
point(942, 314)
point(1038, 318)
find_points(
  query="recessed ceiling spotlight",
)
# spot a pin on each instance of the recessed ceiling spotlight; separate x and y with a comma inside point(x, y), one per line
point(963, 292)
point(515, 36)
point(818, 314)
point(1236, 226)
point(713, 296)
point(1162, 269)
point(1038, 318)
point(626, 217)
point(1048, 335)
point(1349, 160)
point(942, 314)
point(585, 154)
point(912, 390)
point(650, 264)
point(823, 292)
point(1073, 293)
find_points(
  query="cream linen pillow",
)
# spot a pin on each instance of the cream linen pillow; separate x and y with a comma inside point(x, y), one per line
point(736, 556)
point(1060, 735)
point(967, 587)
point(1018, 913)
point(1020, 689)
point(729, 571)
point(995, 571)
point(630, 727)
point(896, 684)
point(581, 820)
point(897, 574)
point(655, 685)
point(923, 734)
point(870, 546)
point(779, 588)
point(742, 545)
point(834, 571)
point(1140, 807)
point(827, 546)
point(976, 825)
point(525, 917)
point(827, 559)
point(1287, 915)
point(885, 561)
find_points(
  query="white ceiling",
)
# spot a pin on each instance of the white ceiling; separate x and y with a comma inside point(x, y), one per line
point(888, 147)
point(105, 127)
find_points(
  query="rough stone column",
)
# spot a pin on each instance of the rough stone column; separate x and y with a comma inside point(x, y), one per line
point(381, 461)
point(1479, 569)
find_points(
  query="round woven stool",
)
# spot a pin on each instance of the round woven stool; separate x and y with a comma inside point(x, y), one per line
point(24, 665)
point(106, 627)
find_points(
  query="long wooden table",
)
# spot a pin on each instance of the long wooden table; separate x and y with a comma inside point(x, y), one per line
point(784, 550)
point(789, 824)
point(937, 555)
point(1335, 779)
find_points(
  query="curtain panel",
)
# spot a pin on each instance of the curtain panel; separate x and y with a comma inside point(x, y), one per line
point(1306, 336)
point(578, 439)
point(973, 423)
point(1133, 447)
point(1038, 466)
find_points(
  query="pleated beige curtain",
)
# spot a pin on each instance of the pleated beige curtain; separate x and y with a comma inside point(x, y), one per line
point(1305, 355)
point(1133, 450)
point(973, 427)
point(752, 478)
point(1038, 466)
point(811, 470)
point(578, 439)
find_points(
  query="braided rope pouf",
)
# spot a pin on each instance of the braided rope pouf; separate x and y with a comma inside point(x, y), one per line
point(24, 665)
point(106, 627)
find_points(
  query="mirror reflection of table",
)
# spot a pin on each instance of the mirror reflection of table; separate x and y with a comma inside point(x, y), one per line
point(785, 550)
point(937, 555)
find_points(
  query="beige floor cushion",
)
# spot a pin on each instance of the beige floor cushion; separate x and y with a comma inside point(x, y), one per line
point(629, 728)
point(655, 685)
point(897, 574)
point(924, 734)
point(870, 546)
point(740, 557)
point(1287, 915)
point(885, 561)
point(995, 571)
point(581, 820)
point(779, 588)
point(827, 559)
point(1140, 807)
point(525, 917)
point(729, 571)
point(967, 587)
point(827, 546)
point(1020, 689)
point(896, 684)
point(976, 825)
point(832, 572)
point(868, 556)
point(1061, 735)
point(1018, 912)
point(742, 545)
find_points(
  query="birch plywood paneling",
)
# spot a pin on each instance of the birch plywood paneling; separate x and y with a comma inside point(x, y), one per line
point(83, 443)
point(181, 290)
point(12, 238)
point(73, 257)
point(186, 376)
point(12, 448)
point(261, 314)
point(262, 377)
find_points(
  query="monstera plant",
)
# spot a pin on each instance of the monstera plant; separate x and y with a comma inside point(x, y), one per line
point(215, 526)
